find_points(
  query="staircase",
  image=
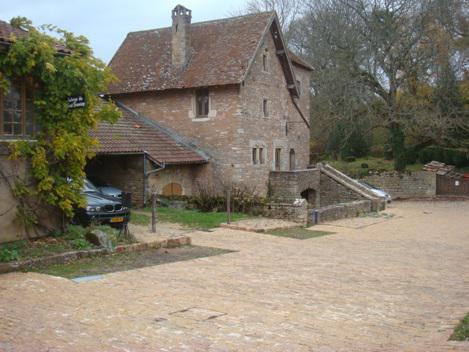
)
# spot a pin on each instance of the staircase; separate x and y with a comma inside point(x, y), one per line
point(347, 181)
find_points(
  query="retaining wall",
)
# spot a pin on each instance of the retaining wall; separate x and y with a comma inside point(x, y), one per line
point(340, 211)
point(405, 184)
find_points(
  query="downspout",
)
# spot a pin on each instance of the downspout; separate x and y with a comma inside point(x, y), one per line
point(148, 173)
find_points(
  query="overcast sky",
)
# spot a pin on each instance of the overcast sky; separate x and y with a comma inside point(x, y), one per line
point(106, 22)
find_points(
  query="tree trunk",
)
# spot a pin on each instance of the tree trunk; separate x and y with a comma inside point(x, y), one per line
point(398, 146)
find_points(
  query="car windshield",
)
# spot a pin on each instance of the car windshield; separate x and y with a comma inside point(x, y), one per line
point(89, 187)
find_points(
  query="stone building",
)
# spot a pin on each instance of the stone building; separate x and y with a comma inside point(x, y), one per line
point(229, 87)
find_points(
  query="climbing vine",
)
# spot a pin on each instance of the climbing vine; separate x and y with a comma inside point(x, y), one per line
point(60, 65)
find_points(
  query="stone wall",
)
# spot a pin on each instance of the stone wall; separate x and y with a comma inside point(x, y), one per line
point(11, 228)
point(286, 211)
point(184, 175)
point(122, 171)
point(333, 192)
point(405, 184)
point(236, 123)
point(287, 186)
point(340, 211)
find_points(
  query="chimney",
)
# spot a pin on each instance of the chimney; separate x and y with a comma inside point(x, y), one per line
point(181, 36)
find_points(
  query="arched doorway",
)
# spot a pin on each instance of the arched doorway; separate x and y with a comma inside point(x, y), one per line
point(172, 189)
point(292, 160)
point(310, 195)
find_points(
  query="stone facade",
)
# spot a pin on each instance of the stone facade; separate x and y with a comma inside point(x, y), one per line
point(405, 184)
point(287, 186)
point(125, 172)
point(11, 227)
point(236, 124)
point(333, 192)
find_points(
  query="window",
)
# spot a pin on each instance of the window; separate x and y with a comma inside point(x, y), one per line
point(292, 160)
point(265, 107)
point(201, 102)
point(254, 156)
point(277, 158)
point(265, 63)
point(298, 83)
point(261, 156)
point(16, 110)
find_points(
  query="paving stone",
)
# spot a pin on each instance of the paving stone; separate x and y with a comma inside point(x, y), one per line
point(398, 285)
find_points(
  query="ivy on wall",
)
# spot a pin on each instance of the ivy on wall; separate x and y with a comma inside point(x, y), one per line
point(60, 65)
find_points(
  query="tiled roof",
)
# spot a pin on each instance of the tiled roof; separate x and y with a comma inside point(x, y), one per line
point(7, 30)
point(296, 60)
point(133, 133)
point(221, 52)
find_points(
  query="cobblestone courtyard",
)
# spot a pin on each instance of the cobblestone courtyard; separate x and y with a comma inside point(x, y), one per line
point(395, 283)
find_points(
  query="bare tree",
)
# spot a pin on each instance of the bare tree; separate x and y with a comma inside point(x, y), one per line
point(287, 11)
point(369, 55)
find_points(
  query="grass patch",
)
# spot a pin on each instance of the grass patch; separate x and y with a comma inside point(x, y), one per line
point(127, 261)
point(355, 169)
point(140, 219)
point(461, 332)
point(300, 233)
point(72, 239)
point(193, 218)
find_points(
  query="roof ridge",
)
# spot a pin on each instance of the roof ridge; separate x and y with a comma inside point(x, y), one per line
point(167, 131)
point(208, 21)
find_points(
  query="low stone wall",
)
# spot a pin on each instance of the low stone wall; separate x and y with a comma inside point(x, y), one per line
point(405, 184)
point(285, 211)
point(340, 211)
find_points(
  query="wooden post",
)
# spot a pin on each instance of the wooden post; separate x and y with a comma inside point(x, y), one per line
point(228, 205)
point(153, 212)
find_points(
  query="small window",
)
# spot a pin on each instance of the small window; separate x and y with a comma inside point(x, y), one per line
point(277, 158)
point(292, 160)
point(16, 110)
point(202, 102)
point(261, 156)
point(265, 63)
point(254, 156)
point(265, 107)
point(298, 83)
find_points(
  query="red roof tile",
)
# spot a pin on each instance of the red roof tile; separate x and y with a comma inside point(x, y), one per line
point(296, 60)
point(7, 30)
point(221, 54)
point(133, 133)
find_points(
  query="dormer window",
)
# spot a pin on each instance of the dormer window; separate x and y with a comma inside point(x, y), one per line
point(201, 102)
point(265, 63)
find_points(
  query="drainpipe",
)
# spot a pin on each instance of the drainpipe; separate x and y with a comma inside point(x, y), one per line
point(148, 173)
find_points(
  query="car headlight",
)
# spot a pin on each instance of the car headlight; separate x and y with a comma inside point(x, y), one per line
point(92, 209)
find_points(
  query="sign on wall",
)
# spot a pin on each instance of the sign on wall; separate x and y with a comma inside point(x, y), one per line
point(77, 101)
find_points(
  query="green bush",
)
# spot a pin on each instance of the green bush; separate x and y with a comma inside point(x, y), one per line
point(75, 232)
point(80, 243)
point(8, 255)
point(457, 157)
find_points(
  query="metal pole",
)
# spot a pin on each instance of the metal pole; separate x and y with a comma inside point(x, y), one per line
point(153, 212)
point(228, 206)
